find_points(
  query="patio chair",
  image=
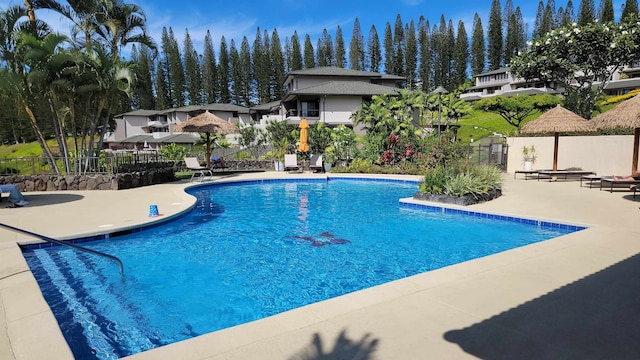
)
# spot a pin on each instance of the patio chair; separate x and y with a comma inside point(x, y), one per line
point(315, 163)
point(194, 165)
point(218, 162)
point(291, 162)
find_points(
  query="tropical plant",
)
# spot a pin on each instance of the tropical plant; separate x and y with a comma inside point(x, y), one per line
point(473, 180)
point(529, 154)
point(344, 142)
point(435, 180)
point(174, 151)
point(319, 138)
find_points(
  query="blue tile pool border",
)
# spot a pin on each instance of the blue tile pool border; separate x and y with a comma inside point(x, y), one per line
point(434, 208)
point(483, 215)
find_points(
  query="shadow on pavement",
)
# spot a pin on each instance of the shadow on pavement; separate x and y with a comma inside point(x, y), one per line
point(343, 349)
point(597, 317)
point(35, 199)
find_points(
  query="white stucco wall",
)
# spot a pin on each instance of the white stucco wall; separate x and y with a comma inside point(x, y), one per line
point(338, 110)
point(606, 155)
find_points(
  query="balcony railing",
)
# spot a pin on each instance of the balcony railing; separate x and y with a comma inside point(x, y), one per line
point(303, 113)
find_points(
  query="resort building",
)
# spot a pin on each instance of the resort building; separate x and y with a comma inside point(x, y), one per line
point(331, 94)
point(502, 82)
point(322, 94)
point(146, 129)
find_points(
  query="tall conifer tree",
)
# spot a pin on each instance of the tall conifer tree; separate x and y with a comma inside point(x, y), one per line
point(537, 25)
point(193, 71)
point(339, 49)
point(374, 51)
point(388, 49)
point(568, 16)
point(143, 91)
point(586, 12)
point(224, 72)
point(478, 50)
point(494, 36)
point(246, 74)
point(424, 71)
point(209, 71)
point(236, 78)
point(629, 9)
point(399, 44)
point(277, 66)
point(163, 100)
point(356, 48)
point(411, 55)
point(605, 12)
point(309, 56)
point(296, 53)
point(461, 56)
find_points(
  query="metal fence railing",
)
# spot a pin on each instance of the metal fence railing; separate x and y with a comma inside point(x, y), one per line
point(109, 163)
point(494, 154)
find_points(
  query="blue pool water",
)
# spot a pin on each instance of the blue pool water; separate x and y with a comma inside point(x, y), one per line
point(251, 250)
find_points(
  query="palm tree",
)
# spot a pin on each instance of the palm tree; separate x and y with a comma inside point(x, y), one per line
point(14, 45)
point(50, 69)
point(107, 26)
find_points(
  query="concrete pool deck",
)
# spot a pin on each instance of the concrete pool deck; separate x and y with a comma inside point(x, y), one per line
point(575, 296)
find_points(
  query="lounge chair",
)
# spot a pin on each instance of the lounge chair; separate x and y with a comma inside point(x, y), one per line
point(315, 163)
point(291, 162)
point(194, 165)
point(554, 174)
point(611, 182)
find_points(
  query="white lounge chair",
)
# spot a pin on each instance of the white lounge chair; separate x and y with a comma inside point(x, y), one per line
point(194, 165)
point(315, 162)
point(291, 162)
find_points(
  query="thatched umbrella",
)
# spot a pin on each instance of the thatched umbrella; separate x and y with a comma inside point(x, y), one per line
point(624, 116)
point(207, 123)
point(555, 121)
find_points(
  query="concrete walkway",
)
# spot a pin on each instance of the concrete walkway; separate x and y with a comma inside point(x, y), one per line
point(575, 296)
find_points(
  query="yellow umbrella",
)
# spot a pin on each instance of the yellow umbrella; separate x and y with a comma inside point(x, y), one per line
point(304, 145)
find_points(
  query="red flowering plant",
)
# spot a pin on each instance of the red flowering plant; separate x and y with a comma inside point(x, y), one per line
point(399, 152)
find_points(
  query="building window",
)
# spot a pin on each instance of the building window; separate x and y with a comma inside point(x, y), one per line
point(310, 108)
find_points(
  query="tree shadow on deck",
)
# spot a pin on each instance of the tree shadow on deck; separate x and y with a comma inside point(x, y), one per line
point(36, 199)
point(597, 317)
point(343, 349)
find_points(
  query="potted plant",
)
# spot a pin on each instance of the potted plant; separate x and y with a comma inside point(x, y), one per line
point(277, 154)
point(528, 157)
point(328, 158)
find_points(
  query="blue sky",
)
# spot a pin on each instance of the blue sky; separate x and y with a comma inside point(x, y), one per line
point(235, 19)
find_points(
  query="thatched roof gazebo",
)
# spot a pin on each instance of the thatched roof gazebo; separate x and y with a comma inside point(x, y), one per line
point(207, 123)
point(624, 116)
point(555, 121)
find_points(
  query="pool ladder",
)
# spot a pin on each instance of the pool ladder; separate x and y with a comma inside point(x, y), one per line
point(63, 243)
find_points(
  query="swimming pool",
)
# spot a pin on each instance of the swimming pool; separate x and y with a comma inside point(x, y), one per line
point(251, 250)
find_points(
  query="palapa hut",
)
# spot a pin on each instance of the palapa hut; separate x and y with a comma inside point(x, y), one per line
point(207, 123)
point(555, 121)
point(624, 116)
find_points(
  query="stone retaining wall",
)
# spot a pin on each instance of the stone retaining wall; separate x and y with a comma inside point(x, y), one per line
point(90, 182)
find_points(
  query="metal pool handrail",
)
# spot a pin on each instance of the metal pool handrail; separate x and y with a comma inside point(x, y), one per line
point(74, 246)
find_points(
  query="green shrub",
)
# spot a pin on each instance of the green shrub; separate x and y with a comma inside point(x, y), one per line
point(174, 152)
point(435, 180)
point(462, 180)
point(242, 155)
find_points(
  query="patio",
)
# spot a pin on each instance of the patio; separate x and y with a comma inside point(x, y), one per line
point(573, 296)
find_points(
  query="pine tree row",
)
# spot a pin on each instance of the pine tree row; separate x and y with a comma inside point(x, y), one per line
point(427, 55)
